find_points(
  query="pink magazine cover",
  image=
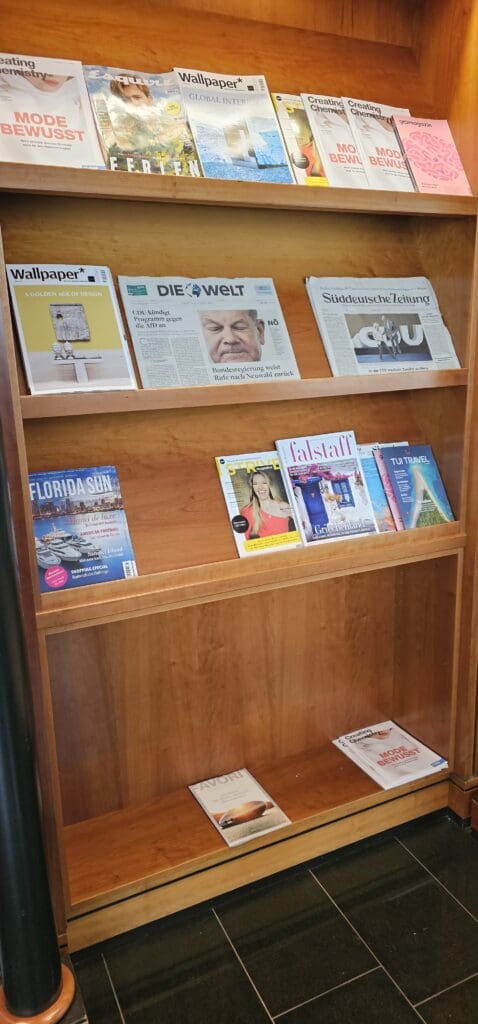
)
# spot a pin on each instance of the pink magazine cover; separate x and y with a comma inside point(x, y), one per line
point(432, 156)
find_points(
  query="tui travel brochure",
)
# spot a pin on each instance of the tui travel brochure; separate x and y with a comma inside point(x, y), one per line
point(417, 485)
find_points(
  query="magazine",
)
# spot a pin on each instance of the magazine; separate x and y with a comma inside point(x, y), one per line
point(234, 126)
point(334, 140)
point(381, 508)
point(141, 121)
point(432, 156)
point(45, 115)
point(386, 482)
point(380, 324)
point(389, 755)
point(256, 498)
point(417, 485)
point(69, 327)
point(326, 486)
point(80, 527)
point(376, 140)
point(303, 154)
point(209, 330)
point(238, 807)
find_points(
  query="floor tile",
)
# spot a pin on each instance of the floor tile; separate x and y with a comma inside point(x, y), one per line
point(292, 940)
point(98, 996)
point(182, 969)
point(424, 939)
point(457, 1006)
point(451, 853)
point(370, 1000)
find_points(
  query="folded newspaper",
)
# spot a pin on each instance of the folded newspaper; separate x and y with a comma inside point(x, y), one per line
point(389, 754)
point(208, 330)
point(380, 324)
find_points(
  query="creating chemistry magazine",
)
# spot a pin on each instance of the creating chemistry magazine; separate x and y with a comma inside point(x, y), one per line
point(210, 330)
point(259, 510)
point(334, 141)
point(378, 145)
point(238, 807)
point(389, 755)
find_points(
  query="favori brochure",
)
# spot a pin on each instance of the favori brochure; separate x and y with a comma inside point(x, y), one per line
point(334, 140)
point(260, 514)
point(378, 145)
point(141, 121)
point(80, 526)
point(238, 807)
point(432, 156)
point(209, 330)
point(69, 327)
point(380, 324)
point(303, 154)
point(234, 126)
point(327, 487)
point(389, 755)
point(45, 115)
point(417, 485)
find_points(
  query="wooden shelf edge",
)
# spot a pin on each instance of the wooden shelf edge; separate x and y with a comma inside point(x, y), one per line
point(97, 184)
point(179, 588)
point(148, 399)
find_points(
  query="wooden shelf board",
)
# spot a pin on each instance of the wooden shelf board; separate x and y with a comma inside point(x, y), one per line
point(61, 181)
point(130, 851)
point(107, 602)
point(145, 399)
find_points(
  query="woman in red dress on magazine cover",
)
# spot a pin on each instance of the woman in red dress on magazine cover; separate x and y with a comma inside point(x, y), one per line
point(266, 514)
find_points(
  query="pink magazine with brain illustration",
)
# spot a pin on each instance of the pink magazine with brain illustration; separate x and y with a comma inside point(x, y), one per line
point(432, 156)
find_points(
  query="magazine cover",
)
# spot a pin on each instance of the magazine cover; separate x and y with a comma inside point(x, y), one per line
point(381, 508)
point(234, 126)
point(334, 140)
point(141, 121)
point(209, 330)
point(380, 324)
point(432, 156)
point(389, 755)
point(326, 485)
point(45, 115)
point(417, 485)
point(378, 145)
point(238, 807)
point(386, 482)
point(80, 527)
point(303, 153)
point(256, 499)
point(69, 327)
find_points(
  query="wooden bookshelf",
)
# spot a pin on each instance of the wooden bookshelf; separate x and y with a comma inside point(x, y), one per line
point(206, 663)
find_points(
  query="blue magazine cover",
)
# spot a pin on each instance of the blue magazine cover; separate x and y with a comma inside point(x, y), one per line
point(381, 508)
point(81, 532)
point(417, 485)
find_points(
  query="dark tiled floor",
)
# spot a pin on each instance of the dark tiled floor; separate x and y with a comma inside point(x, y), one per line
point(384, 931)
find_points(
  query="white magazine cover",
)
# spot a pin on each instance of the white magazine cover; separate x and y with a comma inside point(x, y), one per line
point(238, 807)
point(295, 126)
point(209, 330)
point(380, 324)
point(234, 126)
point(334, 140)
point(45, 114)
point(378, 145)
point(327, 487)
point(256, 498)
point(389, 755)
point(69, 327)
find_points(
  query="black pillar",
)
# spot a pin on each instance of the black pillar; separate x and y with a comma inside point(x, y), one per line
point(31, 965)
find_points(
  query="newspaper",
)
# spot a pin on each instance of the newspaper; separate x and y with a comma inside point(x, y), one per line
point(380, 324)
point(256, 498)
point(238, 807)
point(389, 755)
point(378, 145)
point(208, 330)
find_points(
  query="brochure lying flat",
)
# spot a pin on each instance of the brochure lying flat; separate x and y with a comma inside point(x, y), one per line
point(303, 154)
point(326, 486)
point(69, 327)
point(234, 126)
point(378, 145)
point(389, 755)
point(45, 115)
point(80, 526)
point(432, 156)
point(141, 121)
point(417, 485)
point(210, 330)
point(238, 807)
point(334, 140)
point(256, 498)
point(380, 324)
